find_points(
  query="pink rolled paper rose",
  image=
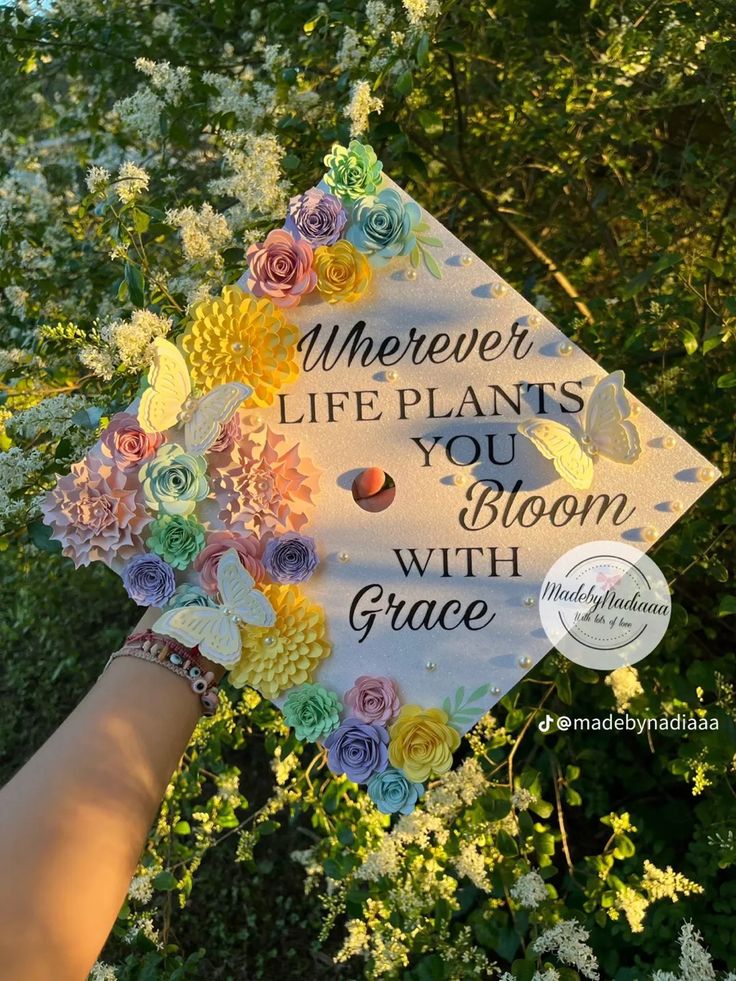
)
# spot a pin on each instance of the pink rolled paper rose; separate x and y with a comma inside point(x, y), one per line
point(125, 445)
point(280, 268)
point(373, 699)
point(249, 551)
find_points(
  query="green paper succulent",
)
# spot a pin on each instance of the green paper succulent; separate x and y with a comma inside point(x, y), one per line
point(353, 172)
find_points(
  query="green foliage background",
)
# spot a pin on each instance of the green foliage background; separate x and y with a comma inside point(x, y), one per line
point(586, 150)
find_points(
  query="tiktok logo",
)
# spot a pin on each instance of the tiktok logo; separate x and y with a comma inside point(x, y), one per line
point(545, 724)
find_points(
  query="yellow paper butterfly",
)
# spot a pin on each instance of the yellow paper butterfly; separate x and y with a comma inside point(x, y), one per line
point(216, 630)
point(168, 401)
point(607, 431)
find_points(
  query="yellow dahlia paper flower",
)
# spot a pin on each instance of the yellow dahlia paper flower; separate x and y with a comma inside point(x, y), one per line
point(422, 742)
point(280, 657)
point(238, 337)
point(343, 273)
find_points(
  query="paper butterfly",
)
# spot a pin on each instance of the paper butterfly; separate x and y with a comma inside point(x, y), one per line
point(169, 401)
point(216, 630)
point(606, 431)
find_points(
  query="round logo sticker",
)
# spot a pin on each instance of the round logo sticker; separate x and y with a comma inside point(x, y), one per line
point(605, 605)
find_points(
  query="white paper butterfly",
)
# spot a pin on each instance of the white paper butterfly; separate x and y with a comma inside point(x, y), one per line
point(216, 630)
point(606, 431)
point(169, 401)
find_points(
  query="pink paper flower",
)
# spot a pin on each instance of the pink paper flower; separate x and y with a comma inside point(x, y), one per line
point(227, 436)
point(373, 699)
point(265, 486)
point(97, 514)
point(280, 268)
point(249, 551)
point(124, 444)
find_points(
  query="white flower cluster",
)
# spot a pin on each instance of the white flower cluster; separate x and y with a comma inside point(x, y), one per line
point(362, 104)
point(471, 862)
point(568, 941)
point(141, 112)
point(140, 889)
point(625, 684)
point(204, 233)
point(18, 469)
point(25, 198)
point(126, 344)
point(695, 961)
point(522, 799)
point(256, 182)
point(529, 890)
point(251, 101)
point(379, 16)
point(97, 179)
point(351, 51)
point(52, 416)
point(420, 11)
point(102, 972)
point(171, 83)
point(17, 297)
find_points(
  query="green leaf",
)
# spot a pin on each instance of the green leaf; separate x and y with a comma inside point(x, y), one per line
point(136, 286)
point(40, 535)
point(404, 83)
point(727, 381)
point(88, 418)
point(423, 50)
point(638, 282)
point(432, 265)
point(727, 606)
point(715, 265)
point(447, 706)
point(165, 881)
point(291, 161)
point(690, 341)
point(141, 220)
point(182, 828)
point(711, 342)
point(459, 696)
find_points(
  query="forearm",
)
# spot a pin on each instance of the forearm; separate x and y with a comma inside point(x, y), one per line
point(75, 818)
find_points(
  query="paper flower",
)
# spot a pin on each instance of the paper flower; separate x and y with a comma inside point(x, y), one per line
point(422, 742)
point(373, 699)
point(317, 217)
point(265, 486)
point(290, 558)
point(123, 443)
point(218, 542)
point(236, 337)
point(393, 793)
point(176, 538)
point(357, 749)
point(384, 227)
point(189, 595)
point(149, 580)
point(353, 172)
point(97, 513)
point(280, 267)
point(174, 481)
point(312, 711)
point(227, 436)
point(343, 273)
point(284, 655)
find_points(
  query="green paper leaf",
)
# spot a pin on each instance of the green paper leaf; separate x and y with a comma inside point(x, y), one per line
point(432, 265)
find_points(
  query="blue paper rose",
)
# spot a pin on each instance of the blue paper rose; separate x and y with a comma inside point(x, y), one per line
point(384, 226)
point(174, 480)
point(393, 793)
point(357, 749)
point(149, 580)
point(190, 595)
point(290, 558)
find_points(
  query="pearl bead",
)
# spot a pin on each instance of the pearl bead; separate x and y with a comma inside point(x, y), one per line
point(635, 409)
point(498, 290)
point(344, 557)
point(564, 349)
point(258, 421)
point(529, 602)
point(525, 661)
point(459, 479)
point(410, 274)
point(237, 347)
point(392, 375)
point(430, 666)
point(705, 474)
point(650, 534)
point(669, 442)
point(676, 506)
point(269, 640)
point(495, 690)
point(534, 320)
point(466, 260)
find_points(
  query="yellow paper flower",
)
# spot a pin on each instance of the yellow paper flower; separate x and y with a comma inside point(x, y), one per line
point(280, 657)
point(422, 742)
point(238, 337)
point(343, 273)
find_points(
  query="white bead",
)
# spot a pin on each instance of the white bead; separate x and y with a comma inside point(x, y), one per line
point(237, 347)
point(344, 557)
point(430, 666)
point(495, 690)
point(466, 260)
point(635, 410)
point(529, 602)
point(410, 274)
point(534, 320)
point(564, 349)
point(650, 534)
point(392, 375)
point(669, 442)
point(459, 479)
point(525, 661)
point(676, 506)
point(706, 474)
point(269, 640)
point(498, 290)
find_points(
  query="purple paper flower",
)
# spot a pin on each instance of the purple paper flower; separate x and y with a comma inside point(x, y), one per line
point(317, 217)
point(357, 749)
point(149, 580)
point(280, 267)
point(373, 699)
point(290, 558)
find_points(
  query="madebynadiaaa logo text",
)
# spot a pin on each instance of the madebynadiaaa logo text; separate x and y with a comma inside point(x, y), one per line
point(622, 722)
point(595, 602)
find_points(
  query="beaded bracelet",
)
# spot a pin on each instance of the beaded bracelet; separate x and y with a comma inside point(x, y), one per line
point(183, 661)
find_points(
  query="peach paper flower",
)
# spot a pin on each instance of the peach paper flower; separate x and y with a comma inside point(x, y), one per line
point(97, 513)
point(280, 267)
